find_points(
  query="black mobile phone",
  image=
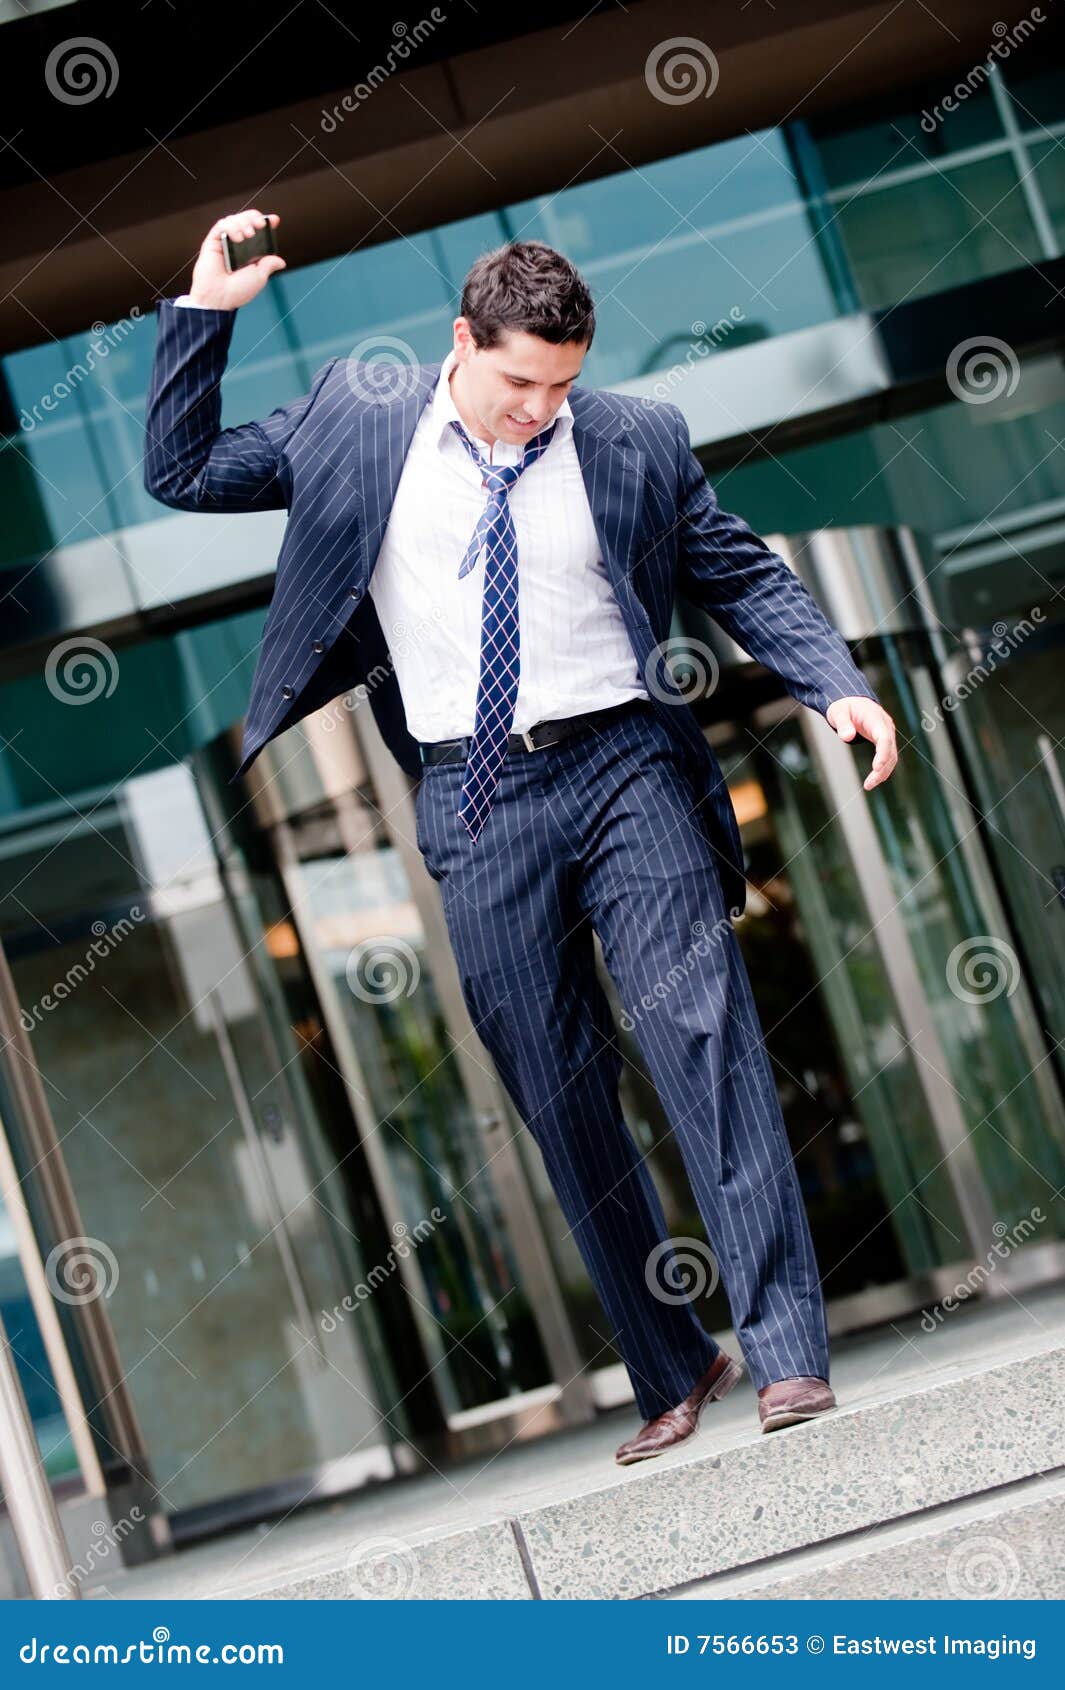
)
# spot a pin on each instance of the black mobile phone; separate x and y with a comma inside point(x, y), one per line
point(236, 254)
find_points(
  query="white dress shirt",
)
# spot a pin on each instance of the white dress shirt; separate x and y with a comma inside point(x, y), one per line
point(575, 652)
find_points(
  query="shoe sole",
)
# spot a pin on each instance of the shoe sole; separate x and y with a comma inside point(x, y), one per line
point(721, 1387)
point(792, 1417)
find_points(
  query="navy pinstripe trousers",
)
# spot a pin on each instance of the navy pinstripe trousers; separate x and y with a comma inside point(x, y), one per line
point(600, 832)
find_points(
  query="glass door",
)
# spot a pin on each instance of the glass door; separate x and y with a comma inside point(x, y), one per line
point(217, 1227)
point(1010, 719)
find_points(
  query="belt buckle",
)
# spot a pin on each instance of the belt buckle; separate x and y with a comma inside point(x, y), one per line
point(526, 741)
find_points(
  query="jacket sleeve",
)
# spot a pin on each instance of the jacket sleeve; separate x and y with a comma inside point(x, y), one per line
point(726, 570)
point(190, 462)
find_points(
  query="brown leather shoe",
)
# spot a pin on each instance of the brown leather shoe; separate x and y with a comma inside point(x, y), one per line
point(679, 1423)
point(787, 1401)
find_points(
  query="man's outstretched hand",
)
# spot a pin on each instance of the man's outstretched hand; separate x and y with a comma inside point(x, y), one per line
point(850, 716)
point(212, 284)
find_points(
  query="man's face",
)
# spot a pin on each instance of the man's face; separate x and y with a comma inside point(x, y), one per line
point(514, 389)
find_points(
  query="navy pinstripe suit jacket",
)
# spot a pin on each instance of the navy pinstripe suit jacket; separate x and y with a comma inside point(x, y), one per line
point(333, 458)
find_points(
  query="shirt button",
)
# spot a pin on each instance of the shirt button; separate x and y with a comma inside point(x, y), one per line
point(287, 692)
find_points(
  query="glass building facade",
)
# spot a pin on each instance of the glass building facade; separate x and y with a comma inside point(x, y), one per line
point(260, 1096)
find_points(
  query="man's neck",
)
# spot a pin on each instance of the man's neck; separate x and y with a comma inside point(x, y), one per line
point(475, 428)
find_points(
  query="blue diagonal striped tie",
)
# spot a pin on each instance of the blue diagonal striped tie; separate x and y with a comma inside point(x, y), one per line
point(497, 685)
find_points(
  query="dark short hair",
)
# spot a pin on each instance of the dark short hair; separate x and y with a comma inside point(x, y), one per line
point(529, 287)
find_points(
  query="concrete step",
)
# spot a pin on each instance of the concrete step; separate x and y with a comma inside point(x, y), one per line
point(770, 1494)
point(1008, 1543)
point(558, 1519)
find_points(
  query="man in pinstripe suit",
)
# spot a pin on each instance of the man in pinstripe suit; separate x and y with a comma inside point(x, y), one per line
point(565, 788)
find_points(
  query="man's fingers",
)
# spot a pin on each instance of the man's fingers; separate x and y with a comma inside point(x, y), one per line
point(885, 758)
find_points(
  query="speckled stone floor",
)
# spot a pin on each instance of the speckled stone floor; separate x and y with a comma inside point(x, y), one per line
point(924, 1420)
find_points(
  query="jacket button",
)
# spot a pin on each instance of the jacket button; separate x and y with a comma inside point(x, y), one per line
point(354, 592)
point(317, 646)
point(287, 692)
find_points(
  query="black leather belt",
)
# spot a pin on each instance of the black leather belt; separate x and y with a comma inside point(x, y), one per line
point(541, 734)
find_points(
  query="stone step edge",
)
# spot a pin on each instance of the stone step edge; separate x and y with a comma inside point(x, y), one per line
point(700, 1513)
point(923, 1528)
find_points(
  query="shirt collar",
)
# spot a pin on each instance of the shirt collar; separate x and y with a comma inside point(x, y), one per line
point(444, 412)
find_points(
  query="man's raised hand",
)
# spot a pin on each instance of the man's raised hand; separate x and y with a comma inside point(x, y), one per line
point(212, 284)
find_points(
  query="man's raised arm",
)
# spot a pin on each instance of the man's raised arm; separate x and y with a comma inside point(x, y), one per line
point(190, 461)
